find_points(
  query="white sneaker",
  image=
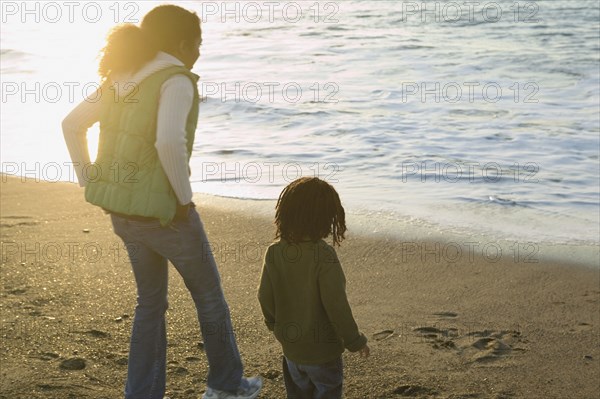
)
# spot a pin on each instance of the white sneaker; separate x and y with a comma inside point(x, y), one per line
point(252, 387)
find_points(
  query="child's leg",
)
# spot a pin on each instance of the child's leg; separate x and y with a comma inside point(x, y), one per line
point(327, 378)
point(297, 383)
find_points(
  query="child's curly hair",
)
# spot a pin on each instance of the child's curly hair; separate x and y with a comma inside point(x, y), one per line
point(310, 208)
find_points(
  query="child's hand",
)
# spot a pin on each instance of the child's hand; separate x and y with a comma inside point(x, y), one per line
point(365, 351)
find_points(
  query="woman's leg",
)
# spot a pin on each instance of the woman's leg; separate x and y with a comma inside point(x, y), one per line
point(185, 244)
point(146, 372)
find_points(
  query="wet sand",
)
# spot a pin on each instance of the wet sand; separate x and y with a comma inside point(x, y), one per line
point(471, 328)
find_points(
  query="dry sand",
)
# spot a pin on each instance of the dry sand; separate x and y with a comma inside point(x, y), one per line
point(474, 328)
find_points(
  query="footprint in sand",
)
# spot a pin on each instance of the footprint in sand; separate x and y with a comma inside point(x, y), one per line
point(430, 332)
point(95, 333)
point(48, 356)
point(581, 327)
point(427, 330)
point(592, 296)
point(410, 390)
point(17, 291)
point(385, 334)
point(444, 344)
point(12, 221)
point(446, 315)
point(490, 346)
point(51, 387)
point(489, 349)
point(438, 338)
point(40, 301)
point(178, 370)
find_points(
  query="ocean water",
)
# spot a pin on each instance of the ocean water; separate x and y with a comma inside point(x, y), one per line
point(463, 118)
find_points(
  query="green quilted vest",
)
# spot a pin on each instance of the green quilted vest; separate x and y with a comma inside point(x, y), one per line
point(127, 176)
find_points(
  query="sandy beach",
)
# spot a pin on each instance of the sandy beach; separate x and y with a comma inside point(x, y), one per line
point(470, 328)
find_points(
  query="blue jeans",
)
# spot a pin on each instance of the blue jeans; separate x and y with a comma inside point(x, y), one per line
point(185, 244)
point(317, 381)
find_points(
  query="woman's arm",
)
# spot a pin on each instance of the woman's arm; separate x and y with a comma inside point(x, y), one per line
point(75, 127)
point(176, 100)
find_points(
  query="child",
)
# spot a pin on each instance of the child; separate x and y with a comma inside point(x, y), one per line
point(302, 291)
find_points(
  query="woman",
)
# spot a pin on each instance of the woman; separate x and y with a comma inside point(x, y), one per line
point(148, 111)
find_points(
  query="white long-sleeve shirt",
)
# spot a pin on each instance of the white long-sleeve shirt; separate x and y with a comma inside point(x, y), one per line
point(175, 103)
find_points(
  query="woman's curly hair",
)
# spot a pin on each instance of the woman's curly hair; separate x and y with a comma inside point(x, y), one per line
point(310, 208)
point(126, 50)
point(128, 46)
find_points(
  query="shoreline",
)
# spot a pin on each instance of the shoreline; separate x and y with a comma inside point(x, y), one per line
point(391, 225)
point(437, 329)
point(454, 245)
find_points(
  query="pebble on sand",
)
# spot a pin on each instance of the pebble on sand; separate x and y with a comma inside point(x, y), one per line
point(75, 363)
